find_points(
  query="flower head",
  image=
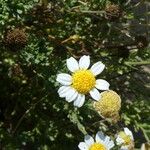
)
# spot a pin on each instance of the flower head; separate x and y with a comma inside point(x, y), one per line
point(113, 12)
point(16, 39)
point(82, 81)
point(125, 139)
point(109, 105)
point(101, 142)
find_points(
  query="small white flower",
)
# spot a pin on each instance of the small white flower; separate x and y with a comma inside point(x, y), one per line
point(101, 142)
point(145, 146)
point(82, 81)
point(125, 139)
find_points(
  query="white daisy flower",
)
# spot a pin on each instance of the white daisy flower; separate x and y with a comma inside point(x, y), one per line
point(101, 142)
point(82, 81)
point(125, 139)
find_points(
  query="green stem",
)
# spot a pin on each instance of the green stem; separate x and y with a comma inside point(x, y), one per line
point(145, 135)
point(138, 63)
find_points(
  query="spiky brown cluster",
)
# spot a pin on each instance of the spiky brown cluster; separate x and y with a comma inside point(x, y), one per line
point(113, 12)
point(16, 39)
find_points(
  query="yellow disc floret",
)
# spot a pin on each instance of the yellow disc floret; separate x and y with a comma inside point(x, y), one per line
point(97, 146)
point(83, 81)
point(109, 105)
point(127, 139)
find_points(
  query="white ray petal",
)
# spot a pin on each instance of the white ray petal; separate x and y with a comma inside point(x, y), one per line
point(100, 137)
point(79, 100)
point(119, 140)
point(107, 139)
point(110, 144)
point(72, 64)
point(102, 84)
point(64, 79)
point(95, 94)
point(71, 95)
point(88, 140)
point(128, 132)
point(97, 68)
point(63, 90)
point(84, 62)
point(82, 146)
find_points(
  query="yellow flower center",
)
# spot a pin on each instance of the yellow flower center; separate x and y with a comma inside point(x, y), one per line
point(127, 139)
point(83, 81)
point(97, 146)
point(109, 105)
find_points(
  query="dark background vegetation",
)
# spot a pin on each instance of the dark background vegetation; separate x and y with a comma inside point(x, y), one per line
point(36, 38)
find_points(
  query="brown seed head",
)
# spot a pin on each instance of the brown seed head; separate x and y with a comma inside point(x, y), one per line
point(113, 12)
point(16, 39)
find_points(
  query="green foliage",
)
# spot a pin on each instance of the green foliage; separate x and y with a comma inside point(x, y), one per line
point(32, 116)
